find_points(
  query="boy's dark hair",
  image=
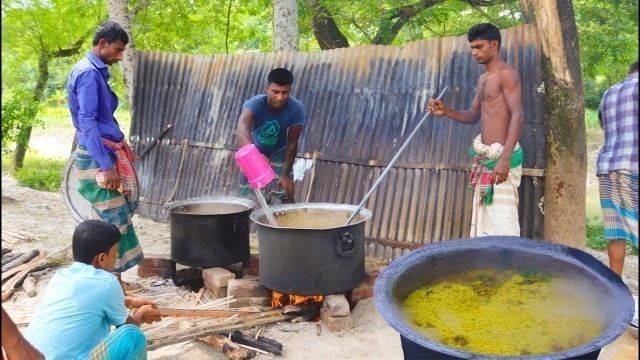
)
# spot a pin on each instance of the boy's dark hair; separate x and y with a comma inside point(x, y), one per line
point(93, 237)
point(484, 31)
point(110, 31)
point(280, 76)
point(634, 67)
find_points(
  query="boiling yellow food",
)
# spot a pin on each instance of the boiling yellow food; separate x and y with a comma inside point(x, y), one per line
point(504, 313)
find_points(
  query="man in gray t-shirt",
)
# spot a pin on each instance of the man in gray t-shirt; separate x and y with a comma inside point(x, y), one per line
point(273, 122)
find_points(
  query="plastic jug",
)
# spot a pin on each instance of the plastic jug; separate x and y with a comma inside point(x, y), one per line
point(254, 166)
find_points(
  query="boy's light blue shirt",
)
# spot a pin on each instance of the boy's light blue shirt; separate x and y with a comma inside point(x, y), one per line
point(79, 307)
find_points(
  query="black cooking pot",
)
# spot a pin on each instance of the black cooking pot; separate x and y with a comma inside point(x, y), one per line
point(312, 252)
point(432, 262)
point(209, 232)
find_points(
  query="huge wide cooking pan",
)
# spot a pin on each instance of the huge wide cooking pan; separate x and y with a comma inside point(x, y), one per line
point(432, 262)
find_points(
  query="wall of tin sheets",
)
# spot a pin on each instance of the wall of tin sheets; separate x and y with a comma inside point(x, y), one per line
point(361, 104)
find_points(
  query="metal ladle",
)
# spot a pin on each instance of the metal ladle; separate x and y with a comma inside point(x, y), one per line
point(393, 161)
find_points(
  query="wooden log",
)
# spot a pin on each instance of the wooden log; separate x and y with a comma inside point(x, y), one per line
point(50, 261)
point(194, 313)
point(22, 259)
point(9, 287)
point(29, 286)
point(240, 338)
point(5, 251)
point(10, 257)
point(228, 347)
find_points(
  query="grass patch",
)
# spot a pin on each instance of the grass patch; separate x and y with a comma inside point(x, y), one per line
point(38, 172)
point(596, 240)
point(594, 211)
point(59, 118)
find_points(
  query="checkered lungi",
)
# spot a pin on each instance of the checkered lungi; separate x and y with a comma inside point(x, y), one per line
point(126, 342)
point(619, 201)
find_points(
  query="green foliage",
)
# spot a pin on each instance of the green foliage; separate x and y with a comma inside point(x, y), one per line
point(593, 93)
point(18, 112)
point(39, 173)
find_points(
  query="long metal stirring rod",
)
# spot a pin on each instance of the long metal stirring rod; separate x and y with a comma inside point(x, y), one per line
point(392, 162)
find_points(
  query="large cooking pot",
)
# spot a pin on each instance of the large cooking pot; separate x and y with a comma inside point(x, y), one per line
point(432, 262)
point(209, 232)
point(311, 252)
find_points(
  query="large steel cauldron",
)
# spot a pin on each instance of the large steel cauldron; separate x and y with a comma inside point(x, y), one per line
point(208, 232)
point(431, 262)
point(311, 252)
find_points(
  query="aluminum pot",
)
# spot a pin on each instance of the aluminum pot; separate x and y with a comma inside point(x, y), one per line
point(432, 262)
point(211, 231)
point(311, 252)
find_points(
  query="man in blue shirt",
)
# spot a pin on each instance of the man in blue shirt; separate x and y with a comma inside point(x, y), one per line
point(273, 122)
point(104, 161)
point(83, 301)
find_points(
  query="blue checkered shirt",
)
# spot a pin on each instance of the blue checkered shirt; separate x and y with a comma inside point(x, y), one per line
point(618, 114)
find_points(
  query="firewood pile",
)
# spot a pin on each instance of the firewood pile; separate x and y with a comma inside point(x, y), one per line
point(24, 267)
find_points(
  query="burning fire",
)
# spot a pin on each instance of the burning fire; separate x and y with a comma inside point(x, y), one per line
point(279, 299)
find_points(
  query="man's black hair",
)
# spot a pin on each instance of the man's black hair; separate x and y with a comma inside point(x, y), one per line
point(280, 76)
point(484, 31)
point(110, 31)
point(93, 237)
point(634, 67)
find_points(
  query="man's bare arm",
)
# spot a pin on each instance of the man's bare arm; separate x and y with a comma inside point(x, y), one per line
point(243, 129)
point(470, 116)
point(512, 90)
point(292, 149)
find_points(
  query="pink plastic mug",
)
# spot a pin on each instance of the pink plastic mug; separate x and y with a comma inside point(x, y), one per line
point(254, 166)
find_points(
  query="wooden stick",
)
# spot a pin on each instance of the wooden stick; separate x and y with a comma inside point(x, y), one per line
point(9, 287)
point(254, 349)
point(228, 347)
point(203, 313)
point(198, 296)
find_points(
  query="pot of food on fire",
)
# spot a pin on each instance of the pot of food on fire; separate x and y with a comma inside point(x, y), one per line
point(210, 231)
point(311, 251)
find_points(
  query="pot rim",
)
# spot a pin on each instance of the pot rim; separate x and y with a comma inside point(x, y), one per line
point(387, 305)
point(364, 214)
point(248, 204)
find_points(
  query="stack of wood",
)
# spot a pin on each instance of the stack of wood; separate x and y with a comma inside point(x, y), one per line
point(23, 268)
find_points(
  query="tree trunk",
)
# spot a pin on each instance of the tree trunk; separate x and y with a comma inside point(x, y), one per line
point(119, 12)
point(566, 167)
point(285, 25)
point(325, 29)
point(22, 142)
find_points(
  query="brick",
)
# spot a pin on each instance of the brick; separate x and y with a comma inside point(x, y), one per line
point(252, 271)
point(157, 261)
point(217, 291)
point(336, 323)
point(217, 276)
point(363, 291)
point(244, 288)
point(146, 272)
point(251, 301)
point(337, 305)
point(253, 262)
point(372, 275)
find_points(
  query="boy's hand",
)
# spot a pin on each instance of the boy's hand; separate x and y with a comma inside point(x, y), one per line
point(134, 302)
point(147, 314)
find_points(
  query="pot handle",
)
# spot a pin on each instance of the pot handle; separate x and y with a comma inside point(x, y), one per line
point(239, 226)
point(346, 240)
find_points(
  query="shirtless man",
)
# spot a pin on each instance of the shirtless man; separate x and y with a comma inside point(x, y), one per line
point(497, 169)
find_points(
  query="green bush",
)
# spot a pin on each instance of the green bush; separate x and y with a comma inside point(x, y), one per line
point(593, 94)
point(18, 113)
point(39, 173)
point(596, 240)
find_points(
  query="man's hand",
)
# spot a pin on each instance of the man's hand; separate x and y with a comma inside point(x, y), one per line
point(436, 107)
point(286, 182)
point(500, 171)
point(111, 179)
point(147, 314)
point(134, 302)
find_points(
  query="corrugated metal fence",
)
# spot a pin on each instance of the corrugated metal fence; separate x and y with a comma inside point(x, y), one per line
point(361, 104)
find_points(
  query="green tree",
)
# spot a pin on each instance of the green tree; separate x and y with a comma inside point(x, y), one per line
point(37, 32)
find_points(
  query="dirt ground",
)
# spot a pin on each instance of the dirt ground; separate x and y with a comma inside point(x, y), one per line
point(44, 216)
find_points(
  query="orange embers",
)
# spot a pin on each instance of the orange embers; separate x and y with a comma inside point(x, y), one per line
point(279, 299)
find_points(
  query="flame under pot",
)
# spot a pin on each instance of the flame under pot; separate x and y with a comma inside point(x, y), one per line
point(311, 252)
point(208, 232)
